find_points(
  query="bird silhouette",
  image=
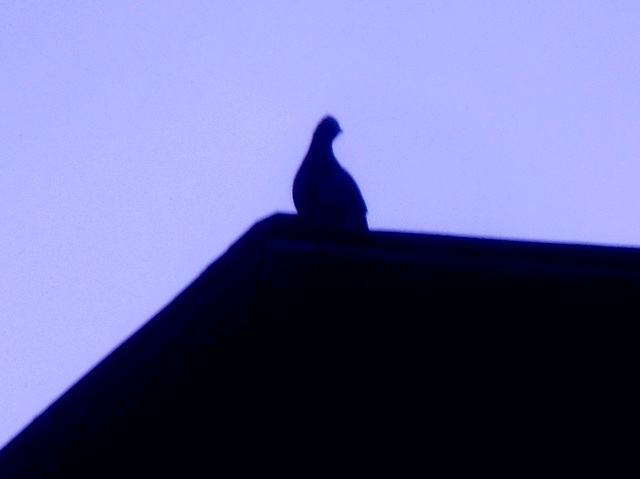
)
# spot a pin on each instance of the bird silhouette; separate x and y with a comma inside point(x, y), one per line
point(324, 193)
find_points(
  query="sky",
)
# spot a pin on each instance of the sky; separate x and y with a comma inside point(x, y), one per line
point(139, 140)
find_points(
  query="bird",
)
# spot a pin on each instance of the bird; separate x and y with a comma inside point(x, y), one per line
point(324, 193)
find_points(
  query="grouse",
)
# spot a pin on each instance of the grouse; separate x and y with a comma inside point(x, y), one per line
point(323, 192)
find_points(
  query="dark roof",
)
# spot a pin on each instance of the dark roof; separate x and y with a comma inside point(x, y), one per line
point(295, 334)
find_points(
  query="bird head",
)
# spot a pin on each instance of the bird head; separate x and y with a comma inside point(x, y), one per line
point(327, 129)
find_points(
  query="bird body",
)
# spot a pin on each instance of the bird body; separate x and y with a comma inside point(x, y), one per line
point(324, 193)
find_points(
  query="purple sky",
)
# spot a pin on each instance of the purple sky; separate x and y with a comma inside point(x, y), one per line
point(138, 140)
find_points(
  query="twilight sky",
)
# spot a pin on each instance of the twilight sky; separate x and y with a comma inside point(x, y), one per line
point(139, 139)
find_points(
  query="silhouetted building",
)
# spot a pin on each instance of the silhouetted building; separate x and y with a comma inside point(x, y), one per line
point(389, 353)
